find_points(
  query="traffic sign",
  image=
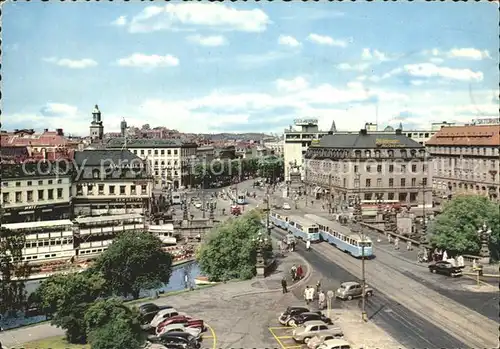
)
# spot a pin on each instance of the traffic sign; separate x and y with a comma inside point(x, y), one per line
point(330, 294)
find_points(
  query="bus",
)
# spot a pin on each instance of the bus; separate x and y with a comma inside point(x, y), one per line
point(176, 198)
point(303, 228)
point(341, 237)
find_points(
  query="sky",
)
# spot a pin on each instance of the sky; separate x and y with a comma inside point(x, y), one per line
point(248, 67)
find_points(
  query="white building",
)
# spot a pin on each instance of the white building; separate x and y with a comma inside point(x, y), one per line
point(169, 159)
point(35, 191)
point(110, 182)
point(276, 147)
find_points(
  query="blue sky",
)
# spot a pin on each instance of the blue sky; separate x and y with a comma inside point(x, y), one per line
point(213, 67)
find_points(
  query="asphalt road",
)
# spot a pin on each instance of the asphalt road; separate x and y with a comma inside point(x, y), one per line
point(408, 328)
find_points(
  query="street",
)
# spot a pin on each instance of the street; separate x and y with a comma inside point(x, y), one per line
point(412, 304)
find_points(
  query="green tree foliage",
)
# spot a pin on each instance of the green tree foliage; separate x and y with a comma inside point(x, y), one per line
point(13, 272)
point(229, 252)
point(134, 261)
point(224, 171)
point(455, 229)
point(112, 325)
point(68, 297)
point(271, 167)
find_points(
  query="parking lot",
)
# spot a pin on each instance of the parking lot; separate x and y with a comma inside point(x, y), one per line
point(283, 335)
point(209, 338)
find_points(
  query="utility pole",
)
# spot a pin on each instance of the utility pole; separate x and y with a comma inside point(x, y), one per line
point(359, 216)
point(329, 193)
point(203, 208)
point(267, 215)
point(424, 225)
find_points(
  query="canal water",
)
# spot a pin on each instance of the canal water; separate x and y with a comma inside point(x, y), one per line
point(176, 283)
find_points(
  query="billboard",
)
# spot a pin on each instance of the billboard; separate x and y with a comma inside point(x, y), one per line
point(300, 122)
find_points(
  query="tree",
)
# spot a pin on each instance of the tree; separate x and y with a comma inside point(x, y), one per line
point(134, 261)
point(455, 229)
point(111, 324)
point(68, 297)
point(271, 167)
point(13, 272)
point(229, 251)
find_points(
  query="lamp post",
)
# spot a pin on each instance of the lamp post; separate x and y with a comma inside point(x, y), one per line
point(484, 233)
point(261, 244)
point(423, 237)
point(358, 216)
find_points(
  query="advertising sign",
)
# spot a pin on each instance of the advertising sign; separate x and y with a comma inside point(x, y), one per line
point(299, 122)
point(388, 143)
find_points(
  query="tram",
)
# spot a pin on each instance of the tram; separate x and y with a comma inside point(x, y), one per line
point(303, 228)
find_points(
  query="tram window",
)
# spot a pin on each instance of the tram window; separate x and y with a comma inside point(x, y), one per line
point(53, 255)
point(52, 242)
point(47, 256)
point(93, 251)
point(46, 243)
point(40, 243)
point(58, 242)
point(28, 258)
point(35, 257)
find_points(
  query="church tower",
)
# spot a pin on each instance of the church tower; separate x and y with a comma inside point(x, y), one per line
point(96, 127)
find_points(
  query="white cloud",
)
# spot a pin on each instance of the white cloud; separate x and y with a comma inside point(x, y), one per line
point(148, 61)
point(120, 21)
point(468, 53)
point(326, 40)
point(436, 60)
point(210, 41)
point(353, 66)
point(214, 15)
point(58, 109)
point(369, 54)
point(72, 63)
point(296, 84)
point(288, 40)
point(417, 82)
point(427, 70)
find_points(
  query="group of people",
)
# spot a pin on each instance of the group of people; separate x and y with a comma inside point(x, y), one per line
point(311, 292)
point(287, 245)
point(296, 272)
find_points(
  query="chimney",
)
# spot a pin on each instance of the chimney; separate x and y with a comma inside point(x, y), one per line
point(45, 130)
point(59, 131)
point(363, 131)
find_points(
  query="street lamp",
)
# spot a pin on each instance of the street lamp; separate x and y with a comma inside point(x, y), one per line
point(358, 216)
point(484, 233)
point(261, 244)
point(423, 237)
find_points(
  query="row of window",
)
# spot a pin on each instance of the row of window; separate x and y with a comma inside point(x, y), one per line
point(390, 153)
point(465, 150)
point(30, 195)
point(97, 250)
point(402, 182)
point(414, 168)
point(48, 242)
point(30, 183)
point(122, 189)
point(468, 163)
point(401, 197)
point(156, 152)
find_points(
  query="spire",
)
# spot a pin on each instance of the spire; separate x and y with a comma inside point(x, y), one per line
point(333, 128)
point(400, 126)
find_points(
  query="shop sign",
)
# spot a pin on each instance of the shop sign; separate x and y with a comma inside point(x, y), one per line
point(388, 143)
point(306, 121)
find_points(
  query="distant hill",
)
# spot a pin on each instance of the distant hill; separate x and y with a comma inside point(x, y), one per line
point(236, 136)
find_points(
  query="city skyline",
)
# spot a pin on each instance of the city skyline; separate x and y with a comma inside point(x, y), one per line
point(167, 65)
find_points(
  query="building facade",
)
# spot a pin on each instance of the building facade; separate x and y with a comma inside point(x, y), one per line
point(466, 159)
point(110, 182)
point(169, 159)
point(383, 168)
point(36, 191)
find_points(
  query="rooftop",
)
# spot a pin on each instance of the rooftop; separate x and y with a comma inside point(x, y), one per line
point(100, 157)
point(147, 143)
point(366, 141)
point(36, 169)
point(474, 135)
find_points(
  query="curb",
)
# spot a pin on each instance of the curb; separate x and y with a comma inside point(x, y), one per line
point(484, 275)
point(292, 287)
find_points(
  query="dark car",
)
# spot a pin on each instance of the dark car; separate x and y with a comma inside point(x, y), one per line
point(148, 311)
point(299, 319)
point(445, 268)
point(181, 340)
point(291, 311)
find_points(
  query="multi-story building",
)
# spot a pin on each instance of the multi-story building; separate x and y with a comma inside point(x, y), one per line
point(276, 147)
point(36, 191)
point(169, 159)
point(466, 159)
point(377, 167)
point(110, 182)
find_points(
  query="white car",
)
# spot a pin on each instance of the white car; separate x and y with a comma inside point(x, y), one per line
point(193, 331)
point(313, 328)
point(163, 315)
point(316, 341)
point(197, 204)
point(335, 344)
point(286, 206)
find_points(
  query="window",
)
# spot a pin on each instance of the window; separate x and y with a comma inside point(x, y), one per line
point(391, 168)
point(413, 197)
point(379, 168)
point(59, 193)
point(6, 198)
point(156, 151)
point(95, 173)
point(368, 196)
point(390, 196)
point(169, 152)
point(50, 194)
point(379, 182)
point(40, 195)
point(142, 151)
point(50, 181)
point(18, 196)
point(18, 184)
point(403, 168)
point(391, 182)
point(100, 188)
point(403, 182)
point(162, 152)
point(144, 189)
point(368, 183)
point(149, 151)
point(122, 190)
point(29, 183)
point(413, 182)
point(414, 168)
point(29, 195)
point(59, 181)
point(355, 168)
point(132, 190)
point(390, 153)
point(424, 181)
point(368, 168)
point(175, 152)
point(40, 182)
point(79, 190)
point(111, 190)
point(368, 153)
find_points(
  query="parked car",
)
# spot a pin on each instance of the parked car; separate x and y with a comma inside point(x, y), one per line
point(335, 344)
point(162, 315)
point(352, 289)
point(148, 311)
point(286, 206)
point(445, 268)
point(187, 321)
point(290, 311)
point(315, 328)
point(176, 340)
point(195, 332)
point(316, 341)
point(299, 319)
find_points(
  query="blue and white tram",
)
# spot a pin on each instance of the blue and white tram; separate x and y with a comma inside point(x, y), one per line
point(341, 237)
point(241, 200)
point(303, 228)
point(279, 219)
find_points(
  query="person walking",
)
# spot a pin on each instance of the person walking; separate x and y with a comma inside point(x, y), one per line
point(293, 272)
point(306, 295)
point(318, 286)
point(396, 243)
point(283, 285)
point(321, 300)
point(300, 272)
point(408, 246)
point(311, 295)
point(389, 238)
point(308, 244)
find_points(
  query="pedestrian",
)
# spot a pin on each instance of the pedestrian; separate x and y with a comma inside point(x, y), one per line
point(408, 245)
point(308, 244)
point(300, 272)
point(293, 272)
point(396, 243)
point(444, 256)
point(283, 285)
point(318, 286)
point(293, 246)
point(306, 295)
point(461, 263)
point(321, 300)
point(389, 238)
point(311, 295)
